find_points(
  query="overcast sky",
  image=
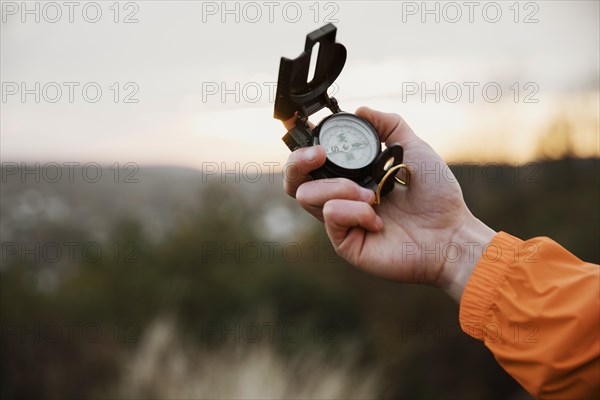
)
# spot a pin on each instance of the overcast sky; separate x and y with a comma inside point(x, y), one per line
point(175, 59)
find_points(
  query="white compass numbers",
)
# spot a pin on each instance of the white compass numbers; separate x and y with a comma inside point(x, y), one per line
point(349, 141)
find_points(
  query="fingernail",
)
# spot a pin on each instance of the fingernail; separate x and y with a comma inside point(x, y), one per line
point(367, 195)
point(310, 154)
point(378, 222)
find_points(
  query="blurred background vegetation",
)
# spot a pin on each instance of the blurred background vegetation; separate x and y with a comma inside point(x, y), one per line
point(208, 287)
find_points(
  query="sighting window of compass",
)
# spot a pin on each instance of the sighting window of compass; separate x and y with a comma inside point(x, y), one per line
point(314, 55)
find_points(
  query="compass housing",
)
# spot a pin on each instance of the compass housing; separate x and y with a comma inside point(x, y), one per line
point(335, 168)
point(297, 96)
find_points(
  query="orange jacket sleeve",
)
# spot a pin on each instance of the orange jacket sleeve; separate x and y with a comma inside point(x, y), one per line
point(537, 308)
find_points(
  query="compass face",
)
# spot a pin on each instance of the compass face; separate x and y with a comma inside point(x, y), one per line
point(350, 142)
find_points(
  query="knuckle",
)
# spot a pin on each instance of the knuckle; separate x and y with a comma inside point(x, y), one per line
point(329, 209)
point(346, 189)
point(302, 195)
point(398, 120)
point(291, 172)
point(364, 217)
point(289, 188)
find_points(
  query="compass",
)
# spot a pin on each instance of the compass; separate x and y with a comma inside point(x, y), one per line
point(351, 143)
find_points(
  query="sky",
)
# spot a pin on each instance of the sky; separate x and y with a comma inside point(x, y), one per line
point(187, 83)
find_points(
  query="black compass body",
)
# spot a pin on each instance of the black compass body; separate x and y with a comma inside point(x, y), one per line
point(351, 143)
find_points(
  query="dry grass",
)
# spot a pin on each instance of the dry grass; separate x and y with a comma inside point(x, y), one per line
point(165, 367)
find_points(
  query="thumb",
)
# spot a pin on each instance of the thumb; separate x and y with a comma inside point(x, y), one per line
point(391, 127)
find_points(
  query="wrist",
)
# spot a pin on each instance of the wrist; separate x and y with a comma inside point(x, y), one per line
point(468, 242)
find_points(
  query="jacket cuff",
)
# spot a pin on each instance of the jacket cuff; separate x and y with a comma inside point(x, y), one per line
point(481, 290)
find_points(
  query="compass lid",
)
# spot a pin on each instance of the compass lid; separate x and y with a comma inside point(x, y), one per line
point(294, 92)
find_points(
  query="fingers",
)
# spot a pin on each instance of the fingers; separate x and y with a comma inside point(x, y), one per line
point(391, 127)
point(313, 195)
point(300, 163)
point(289, 123)
point(341, 216)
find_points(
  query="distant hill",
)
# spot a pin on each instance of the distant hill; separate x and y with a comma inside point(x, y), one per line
point(554, 198)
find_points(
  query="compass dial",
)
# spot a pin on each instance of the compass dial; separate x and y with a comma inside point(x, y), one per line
point(350, 141)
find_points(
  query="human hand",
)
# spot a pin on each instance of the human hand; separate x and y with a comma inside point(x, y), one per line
point(420, 234)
